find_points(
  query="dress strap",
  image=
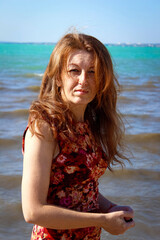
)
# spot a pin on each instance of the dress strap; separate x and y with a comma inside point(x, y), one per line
point(23, 139)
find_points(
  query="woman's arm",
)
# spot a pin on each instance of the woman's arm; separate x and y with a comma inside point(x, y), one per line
point(38, 156)
point(107, 206)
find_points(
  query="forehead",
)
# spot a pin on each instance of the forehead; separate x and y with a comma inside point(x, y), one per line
point(80, 57)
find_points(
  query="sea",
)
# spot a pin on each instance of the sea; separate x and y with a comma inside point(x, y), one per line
point(138, 184)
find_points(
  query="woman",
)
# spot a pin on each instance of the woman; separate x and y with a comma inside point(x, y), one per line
point(73, 119)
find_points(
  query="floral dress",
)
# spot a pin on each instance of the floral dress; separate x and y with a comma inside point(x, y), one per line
point(74, 182)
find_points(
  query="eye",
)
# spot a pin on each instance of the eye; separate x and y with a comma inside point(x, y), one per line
point(74, 70)
point(91, 71)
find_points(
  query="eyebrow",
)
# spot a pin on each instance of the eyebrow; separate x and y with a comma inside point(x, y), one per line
point(74, 64)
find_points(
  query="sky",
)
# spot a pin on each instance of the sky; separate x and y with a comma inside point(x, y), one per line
point(111, 21)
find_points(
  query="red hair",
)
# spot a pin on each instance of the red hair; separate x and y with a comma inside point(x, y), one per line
point(101, 113)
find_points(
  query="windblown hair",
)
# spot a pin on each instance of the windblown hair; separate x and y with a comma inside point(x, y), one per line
point(101, 113)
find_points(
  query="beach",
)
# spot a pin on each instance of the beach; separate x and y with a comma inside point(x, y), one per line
point(138, 184)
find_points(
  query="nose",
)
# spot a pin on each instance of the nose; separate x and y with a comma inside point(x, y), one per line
point(82, 78)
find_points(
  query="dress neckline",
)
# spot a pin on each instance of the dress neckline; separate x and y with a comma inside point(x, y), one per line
point(81, 127)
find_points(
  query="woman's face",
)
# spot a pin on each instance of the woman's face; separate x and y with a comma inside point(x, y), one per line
point(78, 86)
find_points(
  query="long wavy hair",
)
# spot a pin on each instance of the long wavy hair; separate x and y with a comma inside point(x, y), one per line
point(101, 112)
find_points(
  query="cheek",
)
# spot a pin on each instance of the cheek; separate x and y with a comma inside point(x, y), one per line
point(68, 85)
point(93, 86)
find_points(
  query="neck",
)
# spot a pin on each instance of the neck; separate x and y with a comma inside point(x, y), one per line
point(78, 112)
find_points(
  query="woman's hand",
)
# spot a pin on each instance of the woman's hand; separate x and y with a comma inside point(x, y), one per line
point(115, 221)
point(116, 208)
point(122, 208)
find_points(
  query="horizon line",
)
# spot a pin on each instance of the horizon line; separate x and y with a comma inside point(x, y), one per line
point(118, 43)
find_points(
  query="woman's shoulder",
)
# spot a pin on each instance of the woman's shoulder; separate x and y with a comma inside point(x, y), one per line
point(40, 129)
point(42, 137)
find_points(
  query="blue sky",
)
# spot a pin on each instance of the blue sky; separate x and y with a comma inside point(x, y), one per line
point(111, 21)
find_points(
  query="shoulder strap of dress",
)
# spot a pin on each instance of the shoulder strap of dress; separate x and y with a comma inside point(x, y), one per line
point(23, 139)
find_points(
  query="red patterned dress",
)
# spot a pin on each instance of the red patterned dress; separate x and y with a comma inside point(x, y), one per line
point(74, 182)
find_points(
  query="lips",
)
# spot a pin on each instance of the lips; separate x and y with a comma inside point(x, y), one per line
point(81, 90)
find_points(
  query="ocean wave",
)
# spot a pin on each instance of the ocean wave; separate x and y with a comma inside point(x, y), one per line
point(145, 138)
point(144, 87)
point(2, 88)
point(141, 116)
point(21, 100)
point(11, 212)
point(10, 181)
point(10, 142)
point(6, 89)
point(148, 141)
point(154, 79)
point(29, 75)
point(130, 77)
point(125, 100)
point(33, 88)
point(15, 113)
point(38, 74)
point(11, 89)
point(33, 75)
point(137, 174)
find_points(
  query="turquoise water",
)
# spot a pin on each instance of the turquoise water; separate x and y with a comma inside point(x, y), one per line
point(138, 71)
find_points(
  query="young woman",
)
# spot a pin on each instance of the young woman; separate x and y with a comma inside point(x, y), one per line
point(73, 135)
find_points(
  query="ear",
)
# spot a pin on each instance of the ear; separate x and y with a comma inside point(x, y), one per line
point(58, 82)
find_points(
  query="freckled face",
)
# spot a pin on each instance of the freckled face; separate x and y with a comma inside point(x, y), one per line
point(78, 85)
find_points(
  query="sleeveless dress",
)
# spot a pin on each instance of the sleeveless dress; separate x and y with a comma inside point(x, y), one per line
point(74, 182)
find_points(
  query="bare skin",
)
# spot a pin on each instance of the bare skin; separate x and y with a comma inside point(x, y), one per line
point(78, 85)
point(78, 89)
point(35, 183)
